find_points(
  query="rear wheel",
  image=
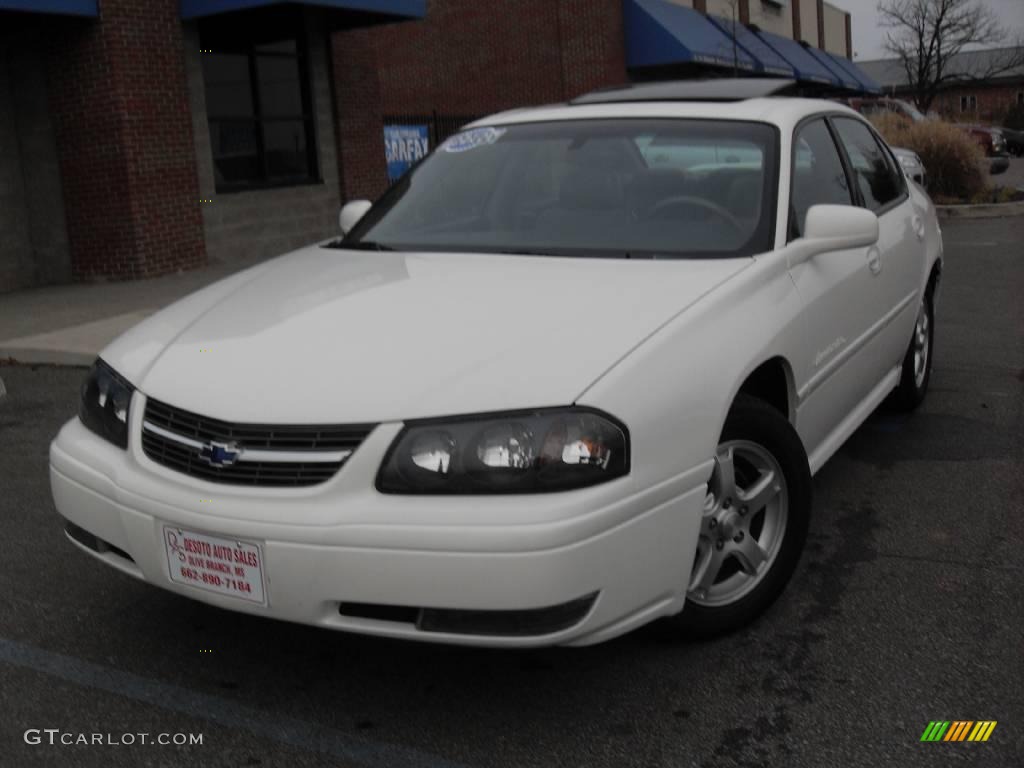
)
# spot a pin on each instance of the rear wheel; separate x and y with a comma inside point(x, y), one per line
point(917, 363)
point(754, 522)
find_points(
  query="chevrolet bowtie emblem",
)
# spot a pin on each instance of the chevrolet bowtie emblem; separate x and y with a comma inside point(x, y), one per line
point(219, 454)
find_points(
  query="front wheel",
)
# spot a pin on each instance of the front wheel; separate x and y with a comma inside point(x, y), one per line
point(754, 522)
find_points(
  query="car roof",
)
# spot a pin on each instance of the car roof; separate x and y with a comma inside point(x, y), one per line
point(782, 111)
point(770, 100)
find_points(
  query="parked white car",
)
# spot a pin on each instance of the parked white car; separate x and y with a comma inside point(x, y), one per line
point(572, 374)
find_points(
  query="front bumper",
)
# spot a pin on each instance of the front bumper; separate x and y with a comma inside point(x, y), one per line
point(627, 550)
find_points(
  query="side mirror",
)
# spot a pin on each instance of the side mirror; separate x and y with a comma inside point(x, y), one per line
point(351, 213)
point(835, 228)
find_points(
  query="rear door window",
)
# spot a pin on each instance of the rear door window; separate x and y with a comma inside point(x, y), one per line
point(879, 182)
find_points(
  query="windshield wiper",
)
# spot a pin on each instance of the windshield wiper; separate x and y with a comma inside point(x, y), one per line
point(584, 255)
point(365, 245)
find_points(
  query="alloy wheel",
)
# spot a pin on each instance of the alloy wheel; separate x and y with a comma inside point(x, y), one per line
point(743, 524)
point(922, 333)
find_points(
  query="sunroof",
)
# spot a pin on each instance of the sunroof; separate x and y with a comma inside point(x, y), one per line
point(714, 89)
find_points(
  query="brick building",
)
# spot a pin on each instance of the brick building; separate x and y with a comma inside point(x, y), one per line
point(974, 96)
point(540, 51)
point(141, 137)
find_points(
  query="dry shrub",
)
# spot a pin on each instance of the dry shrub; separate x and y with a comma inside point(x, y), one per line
point(893, 128)
point(955, 163)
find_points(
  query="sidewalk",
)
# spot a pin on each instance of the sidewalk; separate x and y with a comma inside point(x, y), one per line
point(70, 324)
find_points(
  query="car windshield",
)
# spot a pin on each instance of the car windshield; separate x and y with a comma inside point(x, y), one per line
point(612, 188)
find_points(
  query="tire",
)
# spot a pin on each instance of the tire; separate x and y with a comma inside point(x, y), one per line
point(913, 386)
point(756, 439)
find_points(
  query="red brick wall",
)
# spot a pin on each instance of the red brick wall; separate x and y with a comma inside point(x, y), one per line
point(468, 58)
point(362, 168)
point(124, 136)
point(992, 100)
point(595, 45)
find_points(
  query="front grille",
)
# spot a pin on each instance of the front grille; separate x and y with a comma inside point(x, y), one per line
point(268, 454)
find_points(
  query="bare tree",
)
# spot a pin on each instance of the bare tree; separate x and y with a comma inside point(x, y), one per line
point(926, 35)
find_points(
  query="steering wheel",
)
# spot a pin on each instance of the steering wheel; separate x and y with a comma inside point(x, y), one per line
point(693, 202)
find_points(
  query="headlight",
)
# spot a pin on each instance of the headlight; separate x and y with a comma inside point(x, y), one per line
point(106, 396)
point(909, 162)
point(525, 452)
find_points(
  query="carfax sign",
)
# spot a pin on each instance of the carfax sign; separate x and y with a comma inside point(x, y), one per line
point(404, 145)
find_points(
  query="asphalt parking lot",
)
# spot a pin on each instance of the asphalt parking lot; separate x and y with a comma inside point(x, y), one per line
point(907, 607)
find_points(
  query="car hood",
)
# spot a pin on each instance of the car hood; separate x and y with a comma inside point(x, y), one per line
point(327, 335)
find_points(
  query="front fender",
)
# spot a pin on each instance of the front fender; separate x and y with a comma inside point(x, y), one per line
point(675, 390)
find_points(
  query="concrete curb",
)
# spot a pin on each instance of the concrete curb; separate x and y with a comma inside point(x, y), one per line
point(983, 211)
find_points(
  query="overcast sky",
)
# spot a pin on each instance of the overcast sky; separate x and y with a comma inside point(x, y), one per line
point(868, 36)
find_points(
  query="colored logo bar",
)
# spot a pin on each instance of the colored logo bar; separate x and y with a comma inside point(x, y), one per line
point(958, 730)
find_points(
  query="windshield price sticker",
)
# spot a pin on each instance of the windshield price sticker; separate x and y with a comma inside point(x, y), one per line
point(477, 137)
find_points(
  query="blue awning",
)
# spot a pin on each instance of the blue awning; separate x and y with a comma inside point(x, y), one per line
point(808, 69)
point(768, 61)
point(406, 9)
point(858, 74)
point(66, 7)
point(846, 80)
point(659, 32)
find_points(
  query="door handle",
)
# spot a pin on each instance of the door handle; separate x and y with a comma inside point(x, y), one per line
point(874, 260)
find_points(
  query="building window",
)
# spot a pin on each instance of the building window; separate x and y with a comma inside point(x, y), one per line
point(968, 103)
point(258, 104)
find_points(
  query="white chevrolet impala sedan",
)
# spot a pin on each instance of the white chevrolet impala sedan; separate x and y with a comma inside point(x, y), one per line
point(573, 373)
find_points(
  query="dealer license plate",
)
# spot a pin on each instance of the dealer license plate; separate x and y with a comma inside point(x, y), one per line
point(225, 566)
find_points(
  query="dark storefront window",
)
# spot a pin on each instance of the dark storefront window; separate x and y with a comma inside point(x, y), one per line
point(258, 104)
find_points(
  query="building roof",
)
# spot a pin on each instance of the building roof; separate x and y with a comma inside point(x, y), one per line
point(889, 73)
